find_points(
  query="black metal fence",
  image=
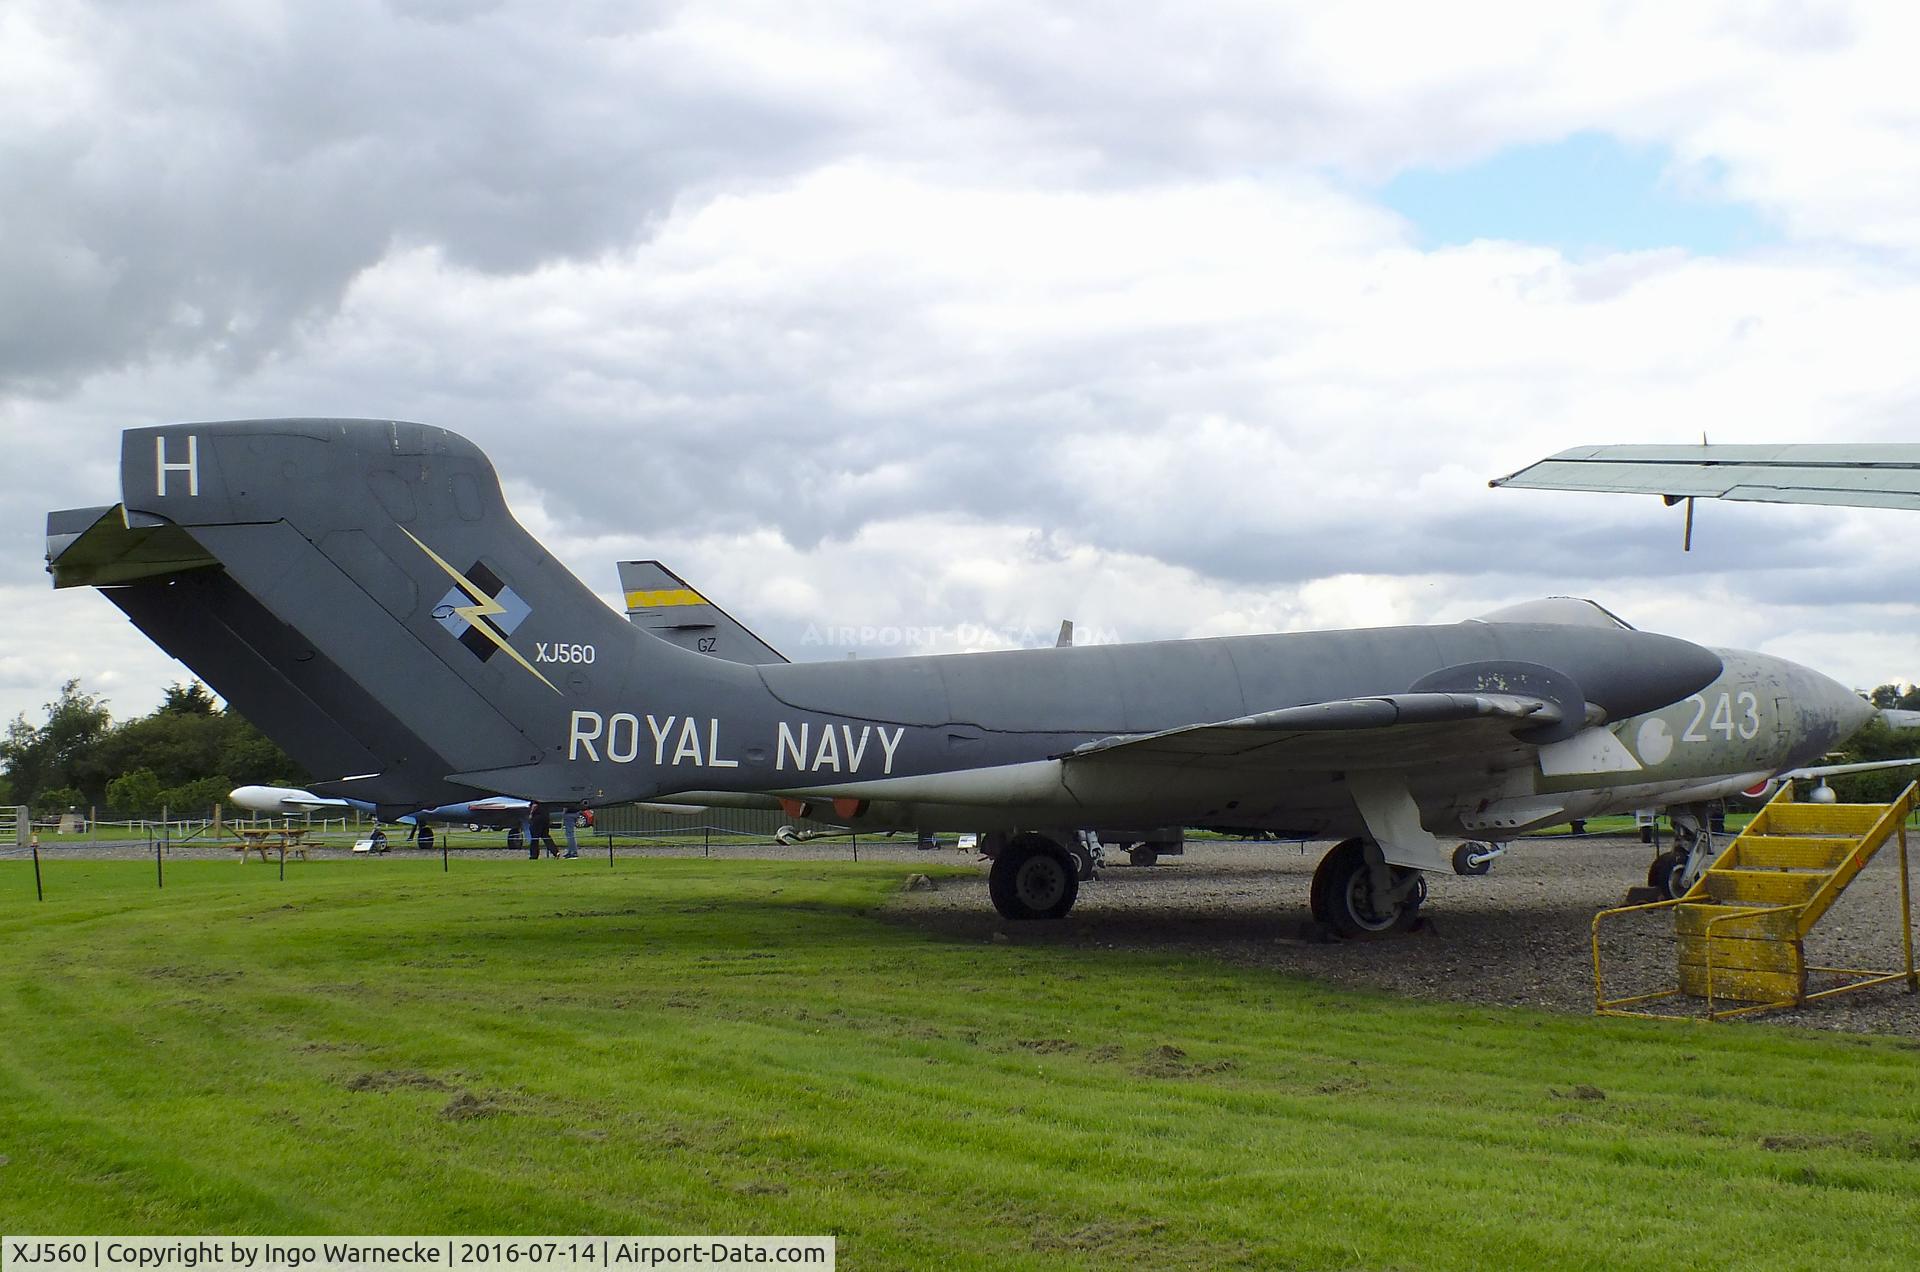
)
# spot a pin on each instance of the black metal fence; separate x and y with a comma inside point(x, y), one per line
point(629, 821)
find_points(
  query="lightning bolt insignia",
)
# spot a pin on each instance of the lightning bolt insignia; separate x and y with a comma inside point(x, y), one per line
point(483, 605)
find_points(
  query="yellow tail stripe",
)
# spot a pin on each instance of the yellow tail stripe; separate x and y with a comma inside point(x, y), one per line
point(668, 596)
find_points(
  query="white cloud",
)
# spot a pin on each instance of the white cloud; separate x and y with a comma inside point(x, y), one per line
point(972, 319)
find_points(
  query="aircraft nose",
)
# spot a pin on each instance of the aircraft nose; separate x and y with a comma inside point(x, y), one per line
point(1854, 713)
point(1830, 713)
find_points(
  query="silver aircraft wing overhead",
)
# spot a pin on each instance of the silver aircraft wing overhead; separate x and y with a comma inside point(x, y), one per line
point(661, 602)
point(1860, 475)
point(1396, 731)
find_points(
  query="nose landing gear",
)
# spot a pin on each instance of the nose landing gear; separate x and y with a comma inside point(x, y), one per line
point(1476, 858)
point(1674, 872)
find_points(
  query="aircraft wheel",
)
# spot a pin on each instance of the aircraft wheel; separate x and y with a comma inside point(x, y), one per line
point(1343, 895)
point(1083, 864)
point(1142, 856)
point(1663, 876)
point(1317, 893)
point(1317, 890)
point(1033, 878)
point(1463, 863)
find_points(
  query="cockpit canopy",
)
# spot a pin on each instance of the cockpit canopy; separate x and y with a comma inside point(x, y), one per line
point(1563, 611)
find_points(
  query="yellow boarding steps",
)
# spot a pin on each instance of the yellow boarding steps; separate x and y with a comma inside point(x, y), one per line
point(1741, 929)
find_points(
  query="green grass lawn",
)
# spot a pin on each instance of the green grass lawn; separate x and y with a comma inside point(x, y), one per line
point(689, 1046)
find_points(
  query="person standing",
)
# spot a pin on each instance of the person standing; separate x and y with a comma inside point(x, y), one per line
point(570, 823)
point(540, 822)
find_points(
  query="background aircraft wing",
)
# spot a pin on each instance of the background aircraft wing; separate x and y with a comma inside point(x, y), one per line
point(1390, 731)
point(1860, 475)
point(1863, 766)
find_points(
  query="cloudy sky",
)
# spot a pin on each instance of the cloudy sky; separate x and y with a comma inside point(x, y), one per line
point(1182, 319)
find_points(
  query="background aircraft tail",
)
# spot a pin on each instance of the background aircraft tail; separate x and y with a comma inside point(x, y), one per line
point(661, 602)
point(360, 590)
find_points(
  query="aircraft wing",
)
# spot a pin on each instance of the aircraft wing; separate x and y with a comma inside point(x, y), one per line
point(1393, 731)
point(1863, 766)
point(1860, 475)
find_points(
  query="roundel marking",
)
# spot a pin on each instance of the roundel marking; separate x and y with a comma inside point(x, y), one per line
point(1654, 741)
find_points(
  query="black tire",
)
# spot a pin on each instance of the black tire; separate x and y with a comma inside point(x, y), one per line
point(1463, 865)
point(1143, 856)
point(1033, 879)
point(1340, 896)
point(1317, 892)
point(1663, 876)
point(1083, 865)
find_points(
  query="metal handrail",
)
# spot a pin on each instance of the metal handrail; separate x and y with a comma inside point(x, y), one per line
point(1869, 842)
point(1600, 1001)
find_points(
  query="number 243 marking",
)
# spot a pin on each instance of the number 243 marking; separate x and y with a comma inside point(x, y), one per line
point(1722, 720)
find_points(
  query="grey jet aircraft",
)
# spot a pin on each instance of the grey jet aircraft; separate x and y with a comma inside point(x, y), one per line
point(360, 590)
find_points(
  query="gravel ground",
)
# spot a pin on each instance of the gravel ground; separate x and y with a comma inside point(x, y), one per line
point(1519, 936)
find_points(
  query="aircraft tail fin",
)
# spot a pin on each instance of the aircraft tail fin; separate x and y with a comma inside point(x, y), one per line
point(661, 602)
point(360, 589)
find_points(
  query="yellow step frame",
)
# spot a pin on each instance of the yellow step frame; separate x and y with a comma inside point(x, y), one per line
point(1797, 918)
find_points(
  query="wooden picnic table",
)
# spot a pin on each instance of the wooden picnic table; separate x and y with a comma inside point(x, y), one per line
point(291, 839)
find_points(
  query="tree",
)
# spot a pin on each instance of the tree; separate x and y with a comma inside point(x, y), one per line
point(1896, 696)
point(249, 756)
point(54, 755)
point(1877, 741)
point(187, 747)
point(57, 799)
point(135, 792)
point(192, 699)
point(177, 746)
point(197, 797)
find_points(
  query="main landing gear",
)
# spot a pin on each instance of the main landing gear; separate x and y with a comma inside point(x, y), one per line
point(1357, 894)
point(1033, 877)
